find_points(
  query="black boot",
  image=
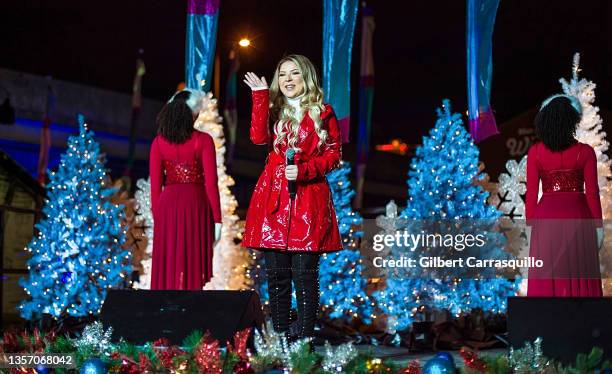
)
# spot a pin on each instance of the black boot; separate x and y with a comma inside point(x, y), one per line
point(278, 270)
point(305, 268)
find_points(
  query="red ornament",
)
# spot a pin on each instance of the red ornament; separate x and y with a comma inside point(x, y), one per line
point(414, 367)
point(471, 360)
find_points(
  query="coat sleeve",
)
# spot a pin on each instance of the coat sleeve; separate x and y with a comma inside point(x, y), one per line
point(318, 166)
point(260, 133)
point(156, 173)
point(591, 186)
point(209, 164)
point(533, 183)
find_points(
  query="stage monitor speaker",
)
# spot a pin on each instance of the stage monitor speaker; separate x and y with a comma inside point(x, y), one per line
point(567, 325)
point(144, 316)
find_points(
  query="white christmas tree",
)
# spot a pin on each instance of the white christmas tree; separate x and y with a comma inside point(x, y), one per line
point(144, 216)
point(230, 260)
point(590, 131)
point(508, 197)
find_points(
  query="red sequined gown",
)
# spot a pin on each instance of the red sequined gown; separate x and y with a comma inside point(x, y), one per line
point(563, 221)
point(185, 204)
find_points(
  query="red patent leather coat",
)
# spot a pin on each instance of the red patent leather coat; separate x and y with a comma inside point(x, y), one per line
point(309, 223)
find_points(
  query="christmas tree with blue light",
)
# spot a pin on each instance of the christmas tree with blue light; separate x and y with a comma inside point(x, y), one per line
point(343, 291)
point(77, 255)
point(442, 189)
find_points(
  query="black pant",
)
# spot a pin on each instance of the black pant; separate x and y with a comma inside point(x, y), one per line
point(303, 269)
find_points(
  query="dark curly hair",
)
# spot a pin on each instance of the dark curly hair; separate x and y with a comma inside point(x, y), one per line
point(555, 124)
point(175, 120)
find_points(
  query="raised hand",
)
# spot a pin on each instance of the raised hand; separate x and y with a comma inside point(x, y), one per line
point(254, 82)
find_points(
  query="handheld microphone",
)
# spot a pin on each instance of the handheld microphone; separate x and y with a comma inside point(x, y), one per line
point(290, 154)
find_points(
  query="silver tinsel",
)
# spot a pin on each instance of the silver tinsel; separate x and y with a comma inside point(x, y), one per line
point(334, 359)
point(273, 346)
point(95, 339)
point(270, 344)
point(528, 359)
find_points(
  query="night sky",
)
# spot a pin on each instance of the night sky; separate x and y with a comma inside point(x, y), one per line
point(419, 49)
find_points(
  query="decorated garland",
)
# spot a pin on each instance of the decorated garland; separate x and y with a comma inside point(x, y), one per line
point(94, 353)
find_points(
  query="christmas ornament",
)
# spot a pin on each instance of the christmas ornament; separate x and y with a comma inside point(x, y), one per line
point(93, 366)
point(43, 370)
point(447, 356)
point(438, 365)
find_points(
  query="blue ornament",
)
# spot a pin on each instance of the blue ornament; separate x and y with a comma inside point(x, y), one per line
point(93, 366)
point(446, 356)
point(43, 370)
point(439, 365)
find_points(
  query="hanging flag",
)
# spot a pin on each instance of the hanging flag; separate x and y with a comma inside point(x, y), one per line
point(366, 99)
point(202, 16)
point(229, 111)
point(136, 106)
point(45, 137)
point(339, 18)
point(480, 23)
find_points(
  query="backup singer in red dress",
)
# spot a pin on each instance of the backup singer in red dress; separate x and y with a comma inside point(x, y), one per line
point(566, 222)
point(184, 197)
point(293, 232)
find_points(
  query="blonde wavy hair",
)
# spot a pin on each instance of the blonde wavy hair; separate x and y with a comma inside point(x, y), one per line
point(287, 124)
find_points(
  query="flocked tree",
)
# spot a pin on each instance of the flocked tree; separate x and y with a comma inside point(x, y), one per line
point(442, 187)
point(343, 286)
point(144, 216)
point(231, 261)
point(590, 131)
point(77, 255)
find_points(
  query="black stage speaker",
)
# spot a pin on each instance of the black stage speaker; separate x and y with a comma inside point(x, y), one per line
point(567, 325)
point(144, 316)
